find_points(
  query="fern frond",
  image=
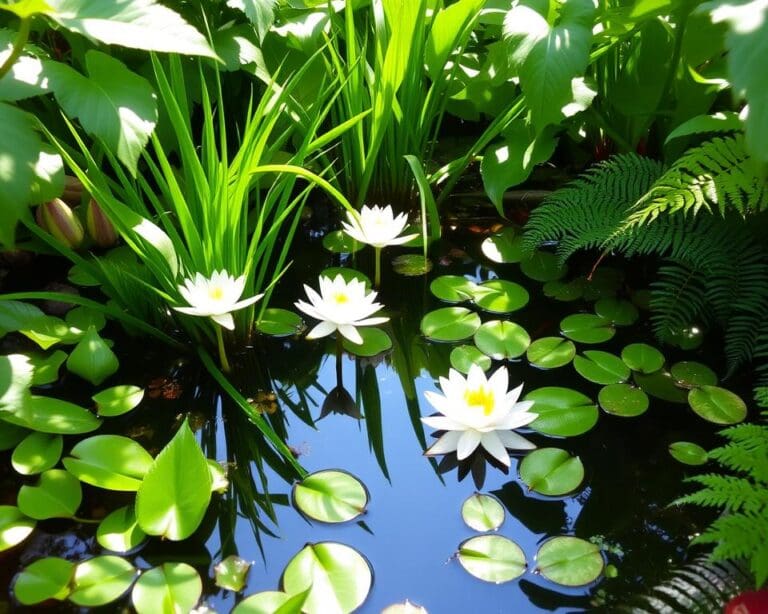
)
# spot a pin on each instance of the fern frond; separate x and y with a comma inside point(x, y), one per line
point(678, 298)
point(730, 492)
point(749, 459)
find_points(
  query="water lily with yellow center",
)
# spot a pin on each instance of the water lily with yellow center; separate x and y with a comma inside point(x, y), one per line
point(479, 411)
point(341, 306)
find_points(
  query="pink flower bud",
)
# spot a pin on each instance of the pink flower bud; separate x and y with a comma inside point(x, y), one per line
point(73, 190)
point(59, 220)
point(99, 227)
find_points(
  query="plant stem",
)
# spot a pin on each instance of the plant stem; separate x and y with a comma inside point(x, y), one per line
point(377, 274)
point(18, 46)
point(222, 353)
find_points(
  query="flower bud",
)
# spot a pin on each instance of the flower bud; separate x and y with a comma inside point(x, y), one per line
point(99, 227)
point(59, 220)
point(73, 190)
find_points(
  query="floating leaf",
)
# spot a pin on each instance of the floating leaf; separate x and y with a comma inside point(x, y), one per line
point(662, 386)
point(502, 340)
point(562, 412)
point(375, 341)
point(482, 512)
point(101, 580)
point(692, 374)
point(551, 471)
point(500, 296)
point(623, 400)
point(120, 531)
point(450, 324)
point(337, 576)
point(619, 311)
point(503, 247)
point(717, 405)
point(47, 367)
point(564, 290)
point(543, 266)
point(92, 359)
point(492, 558)
point(113, 462)
point(464, 356)
point(57, 494)
point(231, 573)
point(330, 496)
point(117, 400)
point(339, 242)
point(452, 288)
point(279, 322)
point(601, 367)
point(51, 415)
point(15, 527)
point(272, 602)
point(168, 589)
point(37, 453)
point(569, 561)
point(168, 503)
point(642, 357)
point(688, 453)
point(587, 328)
point(411, 265)
point(44, 579)
point(550, 352)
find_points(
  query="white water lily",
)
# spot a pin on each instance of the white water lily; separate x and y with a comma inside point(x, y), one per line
point(377, 226)
point(215, 297)
point(479, 411)
point(341, 306)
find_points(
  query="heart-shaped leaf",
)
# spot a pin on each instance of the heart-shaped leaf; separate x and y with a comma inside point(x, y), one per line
point(550, 352)
point(662, 386)
point(502, 340)
point(120, 531)
point(272, 602)
point(117, 400)
point(37, 453)
point(601, 367)
point(562, 412)
point(279, 322)
point(450, 324)
point(57, 494)
point(375, 341)
point(642, 358)
point(619, 311)
point(44, 579)
point(543, 266)
point(569, 561)
point(330, 496)
point(464, 356)
point(500, 296)
point(101, 580)
point(587, 328)
point(551, 471)
point(339, 242)
point(690, 374)
point(688, 453)
point(452, 288)
point(623, 400)
point(113, 462)
point(168, 589)
point(504, 247)
point(92, 359)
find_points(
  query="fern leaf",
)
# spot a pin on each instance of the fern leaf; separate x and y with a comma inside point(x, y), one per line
point(730, 492)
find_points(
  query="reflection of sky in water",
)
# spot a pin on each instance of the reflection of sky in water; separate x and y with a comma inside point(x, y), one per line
point(415, 520)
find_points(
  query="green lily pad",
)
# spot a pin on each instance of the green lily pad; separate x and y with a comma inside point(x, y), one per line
point(47, 367)
point(619, 311)
point(120, 531)
point(230, 574)
point(717, 405)
point(279, 322)
point(375, 341)
point(452, 288)
point(37, 453)
point(482, 512)
point(57, 494)
point(504, 247)
point(450, 324)
point(330, 496)
point(500, 296)
point(587, 328)
point(688, 453)
point(464, 356)
point(569, 561)
point(339, 242)
point(44, 579)
point(101, 580)
point(623, 400)
point(565, 291)
point(601, 367)
point(642, 357)
point(502, 340)
point(112, 462)
point(689, 374)
point(337, 576)
point(661, 385)
point(543, 266)
point(117, 400)
point(271, 602)
point(562, 412)
point(551, 471)
point(15, 527)
point(550, 352)
point(172, 587)
point(411, 265)
point(52, 415)
point(492, 558)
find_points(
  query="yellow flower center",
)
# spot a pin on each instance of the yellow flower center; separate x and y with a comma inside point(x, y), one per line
point(340, 298)
point(215, 294)
point(481, 397)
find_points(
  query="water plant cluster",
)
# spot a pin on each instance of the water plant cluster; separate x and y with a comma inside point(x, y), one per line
point(169, 173)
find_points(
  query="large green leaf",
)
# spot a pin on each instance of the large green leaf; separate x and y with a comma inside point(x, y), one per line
point(450, 324)
point(502, 340)
point(717, 405)
point(623, 400)
point(492, 558)
point(15, 527)
point(500, 296)
point(330, 496)
point(168, 589)
point(550, 352)
point(569, 561)
point(561, 411)
point(168, 502)
point(44, 579)
point(113, 462)
point(51, 415)
point(16, 374)
point(141, 24)
point(117, 400)
point(57, 494)
point(37, 453)
point(113, 103)
point(601, 367)
point(272, 602)
point(100, 580)
point(261, 13)
point(120, 531)
point(551, 471)
point(92, 359)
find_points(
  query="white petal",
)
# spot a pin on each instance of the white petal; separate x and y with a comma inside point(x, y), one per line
point(441, 423)
point(371, 321)
point(513, 395)
point(309, 310)
point(321, 330)
point(516, 419)
point(350, 332)
point(494, 446)
point(225, 319)
point(446, 444)
point(513, 441)
point(403, 239)
point(246, 302)
point(192, 311)
point(499, 382)
point(468, 443)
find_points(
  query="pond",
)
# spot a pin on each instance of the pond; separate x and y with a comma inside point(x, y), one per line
point(412, 528)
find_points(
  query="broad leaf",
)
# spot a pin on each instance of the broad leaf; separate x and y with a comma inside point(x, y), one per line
point(561, 411)
point(37, 453)
point(492, 558)
point(120, 531)
point(117, 400)
point(15, 527)
point(101, 580)
point(51, 415)
point(717, 405)
point(330, 496)
point(688, 453)
point(623, 400)
point(261, 13)
point(551, 471)
point(16, 376)
point(230, 574)
point(92, 359)
point(44, 579)
point(168, 589)
point(569, 561)
point(450, 324)
point(57, 494)
point(482, 512)
point(109, 461)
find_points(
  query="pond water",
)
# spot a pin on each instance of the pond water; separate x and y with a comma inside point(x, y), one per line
point(413, 525)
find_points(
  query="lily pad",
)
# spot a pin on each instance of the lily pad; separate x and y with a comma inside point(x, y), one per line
point(452, 288)
point(482, 512)
point(57, 494)
point(688, 453)
point(15, 527)
point(230, 574)
point(120, 531)
point(44, 579)
point(492, 558)
point(689, 374)
point(464, 356)
point(337, 576)
point(565, 291)
point(642, 358)
point(172, 587)
point(271, 602)
point(601, 367)
point(279, 322)
point(500, 296)
point(411, 265)
point(569, 561)
point(330, 496)
point(562, 412)
point(661, 385)
point(717, 405)
point(339, 242)
point(543, 266)
point(502, 340)
point(117, 400)
point(375, 341)
point(37, 453)
point(551, 471)
point(51, 415)
point(587, 328)
point(623, 400)
point(619, 311)
point(450, 324)
point(101, 580)
point(504, 247)
point(551, 352)
point(112, 462)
